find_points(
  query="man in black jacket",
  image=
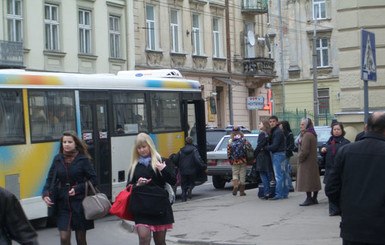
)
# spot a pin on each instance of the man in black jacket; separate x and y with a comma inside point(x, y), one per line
point(189, 163)
point(14, 225)
point(357, 183)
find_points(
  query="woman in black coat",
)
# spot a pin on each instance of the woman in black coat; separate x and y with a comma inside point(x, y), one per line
point(289, 139)
point(328, 152)
point(70, 169)
point(263, 159)
point(147, 169)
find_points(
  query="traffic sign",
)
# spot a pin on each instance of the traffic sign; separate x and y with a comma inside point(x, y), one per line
point(368, 56)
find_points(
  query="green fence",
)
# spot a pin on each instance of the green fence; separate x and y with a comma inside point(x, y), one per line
point(295, 117)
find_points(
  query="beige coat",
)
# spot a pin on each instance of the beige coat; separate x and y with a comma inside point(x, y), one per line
point(308, 178)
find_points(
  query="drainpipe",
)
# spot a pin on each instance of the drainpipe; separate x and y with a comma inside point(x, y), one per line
point(228, 55)
point(130, 35)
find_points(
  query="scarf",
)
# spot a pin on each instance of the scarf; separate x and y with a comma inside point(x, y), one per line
point(333, 143)
point(69, 156)
point(310, 130)
point(145, 160)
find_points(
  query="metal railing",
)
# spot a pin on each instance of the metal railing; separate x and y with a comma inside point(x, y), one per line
point(256, 6)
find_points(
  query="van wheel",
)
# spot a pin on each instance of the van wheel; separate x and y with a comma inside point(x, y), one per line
point(218, 182)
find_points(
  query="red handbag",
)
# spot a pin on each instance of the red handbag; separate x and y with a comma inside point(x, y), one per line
point(120, 206)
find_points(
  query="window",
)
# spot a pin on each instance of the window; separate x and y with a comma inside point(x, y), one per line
point(85, 31)
point(323, 101)
point(114, 37)
point(11, 117)
point(176, 37)
point(322, 52)
point(165, 112)
point(319, 9)
point(51, 24)
point(150, 26)
point(217, 37)
point(249, 40)
point(129, 112)
point(15, 20)
point(196, 35)
point(51, 113)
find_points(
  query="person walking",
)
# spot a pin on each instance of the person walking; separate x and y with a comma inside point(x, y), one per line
point(335, 142)
point(148, 170)
point(70, 168)
point(289, 139)
point(189, 163)
point(356, 184)
point(236, 152)
point(14, 225)
point(308, 179)
point(263, 159)
point(277, 148)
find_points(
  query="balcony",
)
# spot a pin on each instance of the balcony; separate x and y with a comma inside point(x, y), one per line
point(11, 54)
point(254, 6)
point(259, 67)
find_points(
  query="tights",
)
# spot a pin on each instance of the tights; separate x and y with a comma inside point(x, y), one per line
point(65, 237)
point(144, 234)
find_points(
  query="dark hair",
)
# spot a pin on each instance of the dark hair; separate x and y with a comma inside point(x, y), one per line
point(376, 122)
point(341, 126)
point(286, 126)
point(189, 140)
point(274, 117)
point(79, 145)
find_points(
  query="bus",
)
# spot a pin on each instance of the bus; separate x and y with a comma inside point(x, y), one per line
point(107, 111)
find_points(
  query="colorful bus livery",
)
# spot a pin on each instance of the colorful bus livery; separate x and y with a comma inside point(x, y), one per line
point(107, 111)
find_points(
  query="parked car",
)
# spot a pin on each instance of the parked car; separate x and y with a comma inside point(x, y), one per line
point(323, 135)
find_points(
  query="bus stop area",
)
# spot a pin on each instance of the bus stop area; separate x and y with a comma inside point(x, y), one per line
point(230, 220)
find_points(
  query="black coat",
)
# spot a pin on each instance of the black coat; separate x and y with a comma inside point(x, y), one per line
point(357, 183)
point(329, 157)
point(289, 139)
point(277, 141)
point(14, 225)
point(263, 158)
point(74, 175)
point(160, 179)
point(189, 161)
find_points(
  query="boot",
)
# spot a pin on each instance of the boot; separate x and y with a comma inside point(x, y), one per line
point(242, 190)
point(235, 187)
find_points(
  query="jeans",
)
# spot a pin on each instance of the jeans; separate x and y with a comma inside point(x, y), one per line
point(266, 178)
point(281, 188)
point(288, 173)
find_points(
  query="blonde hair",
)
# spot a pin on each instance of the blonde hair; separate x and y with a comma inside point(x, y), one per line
point(141, 139)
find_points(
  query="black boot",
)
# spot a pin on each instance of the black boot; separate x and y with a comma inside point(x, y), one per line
point(307, 202)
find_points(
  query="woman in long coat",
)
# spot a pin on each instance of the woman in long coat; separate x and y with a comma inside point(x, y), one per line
point(264, 164)
point(308, 179)
point(70, 168)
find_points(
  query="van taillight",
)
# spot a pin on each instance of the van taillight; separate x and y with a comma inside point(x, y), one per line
point(211, 162)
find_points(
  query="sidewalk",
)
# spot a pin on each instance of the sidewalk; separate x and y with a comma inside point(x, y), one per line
point(248, 220)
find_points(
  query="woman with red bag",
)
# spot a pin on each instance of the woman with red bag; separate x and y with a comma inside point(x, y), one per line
point(148, 170)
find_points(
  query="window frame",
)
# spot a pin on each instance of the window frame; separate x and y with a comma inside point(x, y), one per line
point(15, 21)
point(318, 6)
point(52, 38)
point(85, 31)
point(162, 114)
point(217, 38)
point(115, 36)
point(151, 41)
point(323, 98)
point(320, 49)
point(197, 35)
point(176, 34)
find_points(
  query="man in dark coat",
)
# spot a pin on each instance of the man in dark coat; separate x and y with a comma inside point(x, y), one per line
point(14, 225)
point(357, 183)
point(189, 163)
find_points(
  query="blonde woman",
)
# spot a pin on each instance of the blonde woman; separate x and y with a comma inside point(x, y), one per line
point(147, 168)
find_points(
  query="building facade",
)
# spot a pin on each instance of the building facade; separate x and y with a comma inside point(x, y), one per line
point(352, 16)
point(300, 21)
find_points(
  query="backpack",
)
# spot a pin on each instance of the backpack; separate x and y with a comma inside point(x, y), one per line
point(237, 149)
point(249, 152)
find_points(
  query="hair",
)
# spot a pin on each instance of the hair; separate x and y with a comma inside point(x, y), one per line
point(376, 122)
point(286, 126)
point(79, 145)
point(341, 126)
point(266, 127)
point(189, 140)
point(141, 139)
point(274, 117)
point(309, 122)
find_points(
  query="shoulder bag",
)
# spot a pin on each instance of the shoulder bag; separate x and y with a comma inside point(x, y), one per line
point(95, 206)
point(121, 204)
point(148, 200)
point(249, 152)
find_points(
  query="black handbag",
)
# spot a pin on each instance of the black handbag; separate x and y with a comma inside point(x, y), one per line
point(53, 193)
point(148, 200)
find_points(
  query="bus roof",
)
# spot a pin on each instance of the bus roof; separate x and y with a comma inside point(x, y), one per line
point(14, 78)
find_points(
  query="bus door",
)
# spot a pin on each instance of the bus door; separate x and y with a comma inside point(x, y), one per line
point(94, 130)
